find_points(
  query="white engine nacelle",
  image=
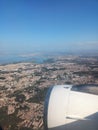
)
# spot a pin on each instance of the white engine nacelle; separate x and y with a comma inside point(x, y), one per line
point(66, 108)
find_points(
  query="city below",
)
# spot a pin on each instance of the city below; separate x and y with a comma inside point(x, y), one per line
point(23, 87)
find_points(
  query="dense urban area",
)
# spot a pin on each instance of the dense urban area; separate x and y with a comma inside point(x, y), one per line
point(23, 87)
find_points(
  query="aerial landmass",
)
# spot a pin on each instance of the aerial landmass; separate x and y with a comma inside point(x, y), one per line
point(23, 87)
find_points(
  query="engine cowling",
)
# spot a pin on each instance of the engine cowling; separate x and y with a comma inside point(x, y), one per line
point(70, 107)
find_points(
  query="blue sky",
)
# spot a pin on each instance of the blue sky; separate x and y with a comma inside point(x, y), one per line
point(30, 25)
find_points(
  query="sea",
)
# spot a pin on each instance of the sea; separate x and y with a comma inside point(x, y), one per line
point(9, 59)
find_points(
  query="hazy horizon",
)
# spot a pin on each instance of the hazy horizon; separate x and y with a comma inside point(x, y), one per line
point(28, 26)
